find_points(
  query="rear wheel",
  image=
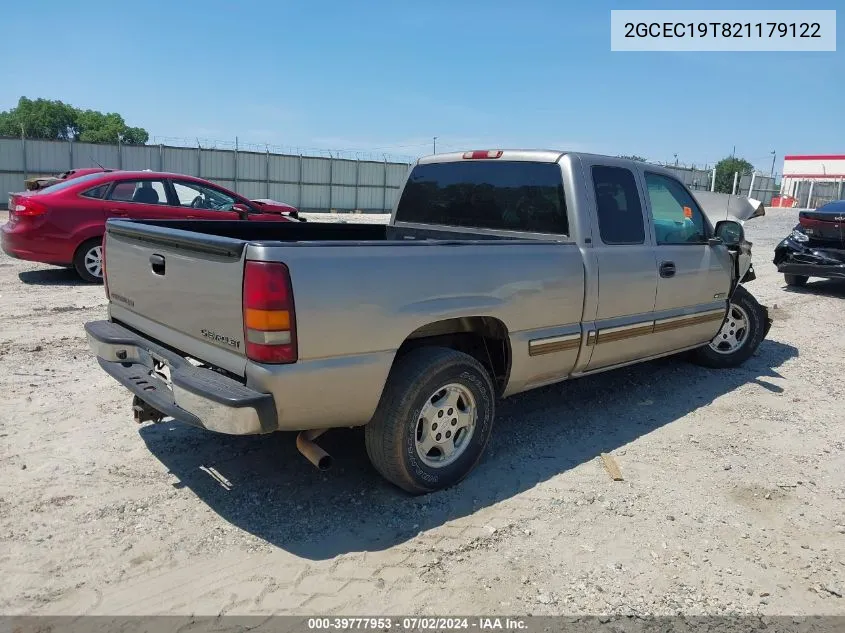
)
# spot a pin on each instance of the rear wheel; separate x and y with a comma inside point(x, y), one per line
point(795, 280)
point(88, 261)
point(739, 337)
point(434, 420)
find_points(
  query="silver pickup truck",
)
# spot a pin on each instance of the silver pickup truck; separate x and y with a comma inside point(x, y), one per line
point(499, 271)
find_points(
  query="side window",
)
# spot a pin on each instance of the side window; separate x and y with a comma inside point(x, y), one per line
point(618, 205)
point(677, 218)
point(96, 192)
point(140, 191)
point(196, 196)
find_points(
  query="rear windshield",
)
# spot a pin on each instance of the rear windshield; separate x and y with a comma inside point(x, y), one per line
point(64, 184)
point(486, 194)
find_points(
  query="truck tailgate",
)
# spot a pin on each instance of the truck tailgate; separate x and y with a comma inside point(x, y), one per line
point(181, 288)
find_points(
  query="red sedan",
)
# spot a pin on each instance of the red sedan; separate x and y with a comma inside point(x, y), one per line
point(64, 223)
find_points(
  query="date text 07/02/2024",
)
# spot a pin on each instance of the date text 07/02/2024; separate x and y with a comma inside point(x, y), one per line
point(417, 624)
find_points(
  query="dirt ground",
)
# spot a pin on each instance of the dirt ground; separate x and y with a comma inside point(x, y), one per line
point(733, 499)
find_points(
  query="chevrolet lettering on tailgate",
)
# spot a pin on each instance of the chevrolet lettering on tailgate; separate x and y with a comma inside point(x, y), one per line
point(221, 338)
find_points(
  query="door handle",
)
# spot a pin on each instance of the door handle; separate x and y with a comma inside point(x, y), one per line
point(119, 213)
point(157, 264)
point(667, 269)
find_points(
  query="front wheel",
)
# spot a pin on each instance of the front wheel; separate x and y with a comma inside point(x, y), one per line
point(739, 337)
point(88, 261)
point(434, 420)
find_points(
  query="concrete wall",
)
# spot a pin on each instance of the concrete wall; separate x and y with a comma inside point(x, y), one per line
point(310, 183)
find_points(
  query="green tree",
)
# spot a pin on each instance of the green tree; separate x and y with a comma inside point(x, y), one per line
point(725, 170)
point(135, 136)
point(55, 120)
point(40, 118)
point(96, 127)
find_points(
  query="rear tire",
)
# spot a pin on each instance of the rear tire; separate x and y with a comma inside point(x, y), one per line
point(88, 261)
point(795, 280)
point(434, 397)
point(739, 337)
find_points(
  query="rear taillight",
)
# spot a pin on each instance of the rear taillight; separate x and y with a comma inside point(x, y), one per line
point(483, 153)
point(26, 207)
point(810, 224)
point(103, 266)
point(269, 318)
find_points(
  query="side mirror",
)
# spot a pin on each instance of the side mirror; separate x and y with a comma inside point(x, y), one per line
point(730, 233)
point(241, 209)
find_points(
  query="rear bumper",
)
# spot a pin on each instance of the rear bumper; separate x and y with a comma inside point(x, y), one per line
point(796, 259)
point(811, 270)
point(197, 396)
point(20, 246)
point(10, 245)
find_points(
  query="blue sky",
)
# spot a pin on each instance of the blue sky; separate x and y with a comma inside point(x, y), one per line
point(386, 76)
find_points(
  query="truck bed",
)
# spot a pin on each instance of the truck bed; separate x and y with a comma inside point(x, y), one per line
point(216, 232)
point(358, 288)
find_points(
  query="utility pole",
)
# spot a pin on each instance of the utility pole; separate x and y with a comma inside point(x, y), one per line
point(772, 173)
point(236, 165)
point(676, 160)
point(434, 140)
point(23, 152)
point(733, 152)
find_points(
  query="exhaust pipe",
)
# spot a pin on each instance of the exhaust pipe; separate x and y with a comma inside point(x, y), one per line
point(313, 453)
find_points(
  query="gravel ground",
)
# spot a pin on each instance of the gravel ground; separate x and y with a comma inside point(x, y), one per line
point(733, 499)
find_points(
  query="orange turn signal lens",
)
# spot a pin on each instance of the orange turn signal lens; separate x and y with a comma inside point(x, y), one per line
point(267, 320)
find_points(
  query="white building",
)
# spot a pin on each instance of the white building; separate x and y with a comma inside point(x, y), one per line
point(813, 179)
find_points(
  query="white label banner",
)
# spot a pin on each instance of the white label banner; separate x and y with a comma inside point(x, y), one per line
point(723, 30)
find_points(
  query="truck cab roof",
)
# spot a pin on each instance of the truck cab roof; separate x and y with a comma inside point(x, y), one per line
point(534, 156)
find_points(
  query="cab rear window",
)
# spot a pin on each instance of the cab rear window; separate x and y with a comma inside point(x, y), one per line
point(505, 196)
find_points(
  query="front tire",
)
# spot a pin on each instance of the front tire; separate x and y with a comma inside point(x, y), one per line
point(88, 261)
point(796, 281)
point(434, 420)
point(739, 337)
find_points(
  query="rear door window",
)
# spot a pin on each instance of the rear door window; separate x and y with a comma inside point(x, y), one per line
point(139, 191)
point(618, 205)
point(486, 194)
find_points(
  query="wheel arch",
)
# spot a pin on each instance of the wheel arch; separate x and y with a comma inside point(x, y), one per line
point(78, 252)
point(484, 338)
point(90, 237)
